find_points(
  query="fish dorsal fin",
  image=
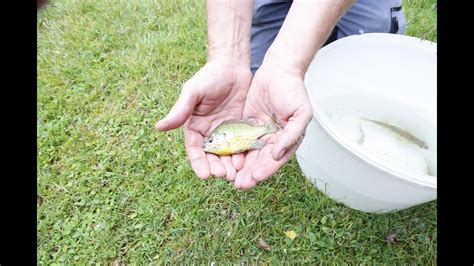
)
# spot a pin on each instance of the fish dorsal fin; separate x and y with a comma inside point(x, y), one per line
point(247, 121)
point(231, 121)
point(228, 122)
point(252, 121)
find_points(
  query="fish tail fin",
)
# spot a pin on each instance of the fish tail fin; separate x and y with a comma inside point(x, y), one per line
point(273, 125)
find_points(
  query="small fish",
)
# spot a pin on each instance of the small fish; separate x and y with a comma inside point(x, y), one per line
point(400, 132)
point(235, 136)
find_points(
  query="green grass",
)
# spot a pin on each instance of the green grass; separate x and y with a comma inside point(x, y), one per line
point(111, 189)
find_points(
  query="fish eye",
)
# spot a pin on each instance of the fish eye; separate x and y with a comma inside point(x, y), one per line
point(210, 140)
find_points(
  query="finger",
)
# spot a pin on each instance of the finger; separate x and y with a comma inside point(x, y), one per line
point(216, 166)
point(267, 166)
point(291, 133)
point(238, 161)
point(181, 111)
point(243, 179)
point(193, 142)
point(230, 170)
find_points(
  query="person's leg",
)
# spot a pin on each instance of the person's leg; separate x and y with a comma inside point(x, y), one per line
point(367, 16)
point(268, 17)
point(363, 17)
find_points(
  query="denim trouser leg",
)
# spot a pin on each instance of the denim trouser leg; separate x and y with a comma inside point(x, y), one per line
point(362, 17)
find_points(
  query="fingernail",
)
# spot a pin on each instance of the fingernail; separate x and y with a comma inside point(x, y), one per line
point(157, 125)
point(160, 124)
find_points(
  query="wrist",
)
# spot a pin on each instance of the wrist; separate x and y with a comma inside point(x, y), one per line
point(286, 61)
point(230, 54)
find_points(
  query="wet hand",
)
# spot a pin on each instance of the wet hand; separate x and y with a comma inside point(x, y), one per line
point(215, 93)
point(283, 93)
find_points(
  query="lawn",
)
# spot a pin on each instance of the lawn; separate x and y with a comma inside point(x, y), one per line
point(111, 189)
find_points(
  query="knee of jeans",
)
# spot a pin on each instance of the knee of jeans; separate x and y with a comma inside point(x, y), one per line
point(359, 20)
point(393, 22)
point(380, 24)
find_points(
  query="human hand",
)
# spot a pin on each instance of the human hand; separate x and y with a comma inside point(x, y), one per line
point(278, 91)
point(215, 93)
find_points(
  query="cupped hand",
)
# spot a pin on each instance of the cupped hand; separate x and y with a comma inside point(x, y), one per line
point(274, 91)
point(217, 92)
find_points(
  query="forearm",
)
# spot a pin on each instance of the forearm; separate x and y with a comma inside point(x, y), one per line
point(229, 23)
point(306, 28)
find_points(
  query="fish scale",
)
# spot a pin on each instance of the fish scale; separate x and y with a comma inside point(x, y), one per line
point(235, 136)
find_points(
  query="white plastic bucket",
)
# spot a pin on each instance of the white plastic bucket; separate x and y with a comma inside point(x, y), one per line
point(387, 77)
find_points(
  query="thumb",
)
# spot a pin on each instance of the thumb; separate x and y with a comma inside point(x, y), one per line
point(292, 133)
point(181, 111)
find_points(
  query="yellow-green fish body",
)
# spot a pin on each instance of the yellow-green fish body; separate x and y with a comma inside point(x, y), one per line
point(235, 136)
